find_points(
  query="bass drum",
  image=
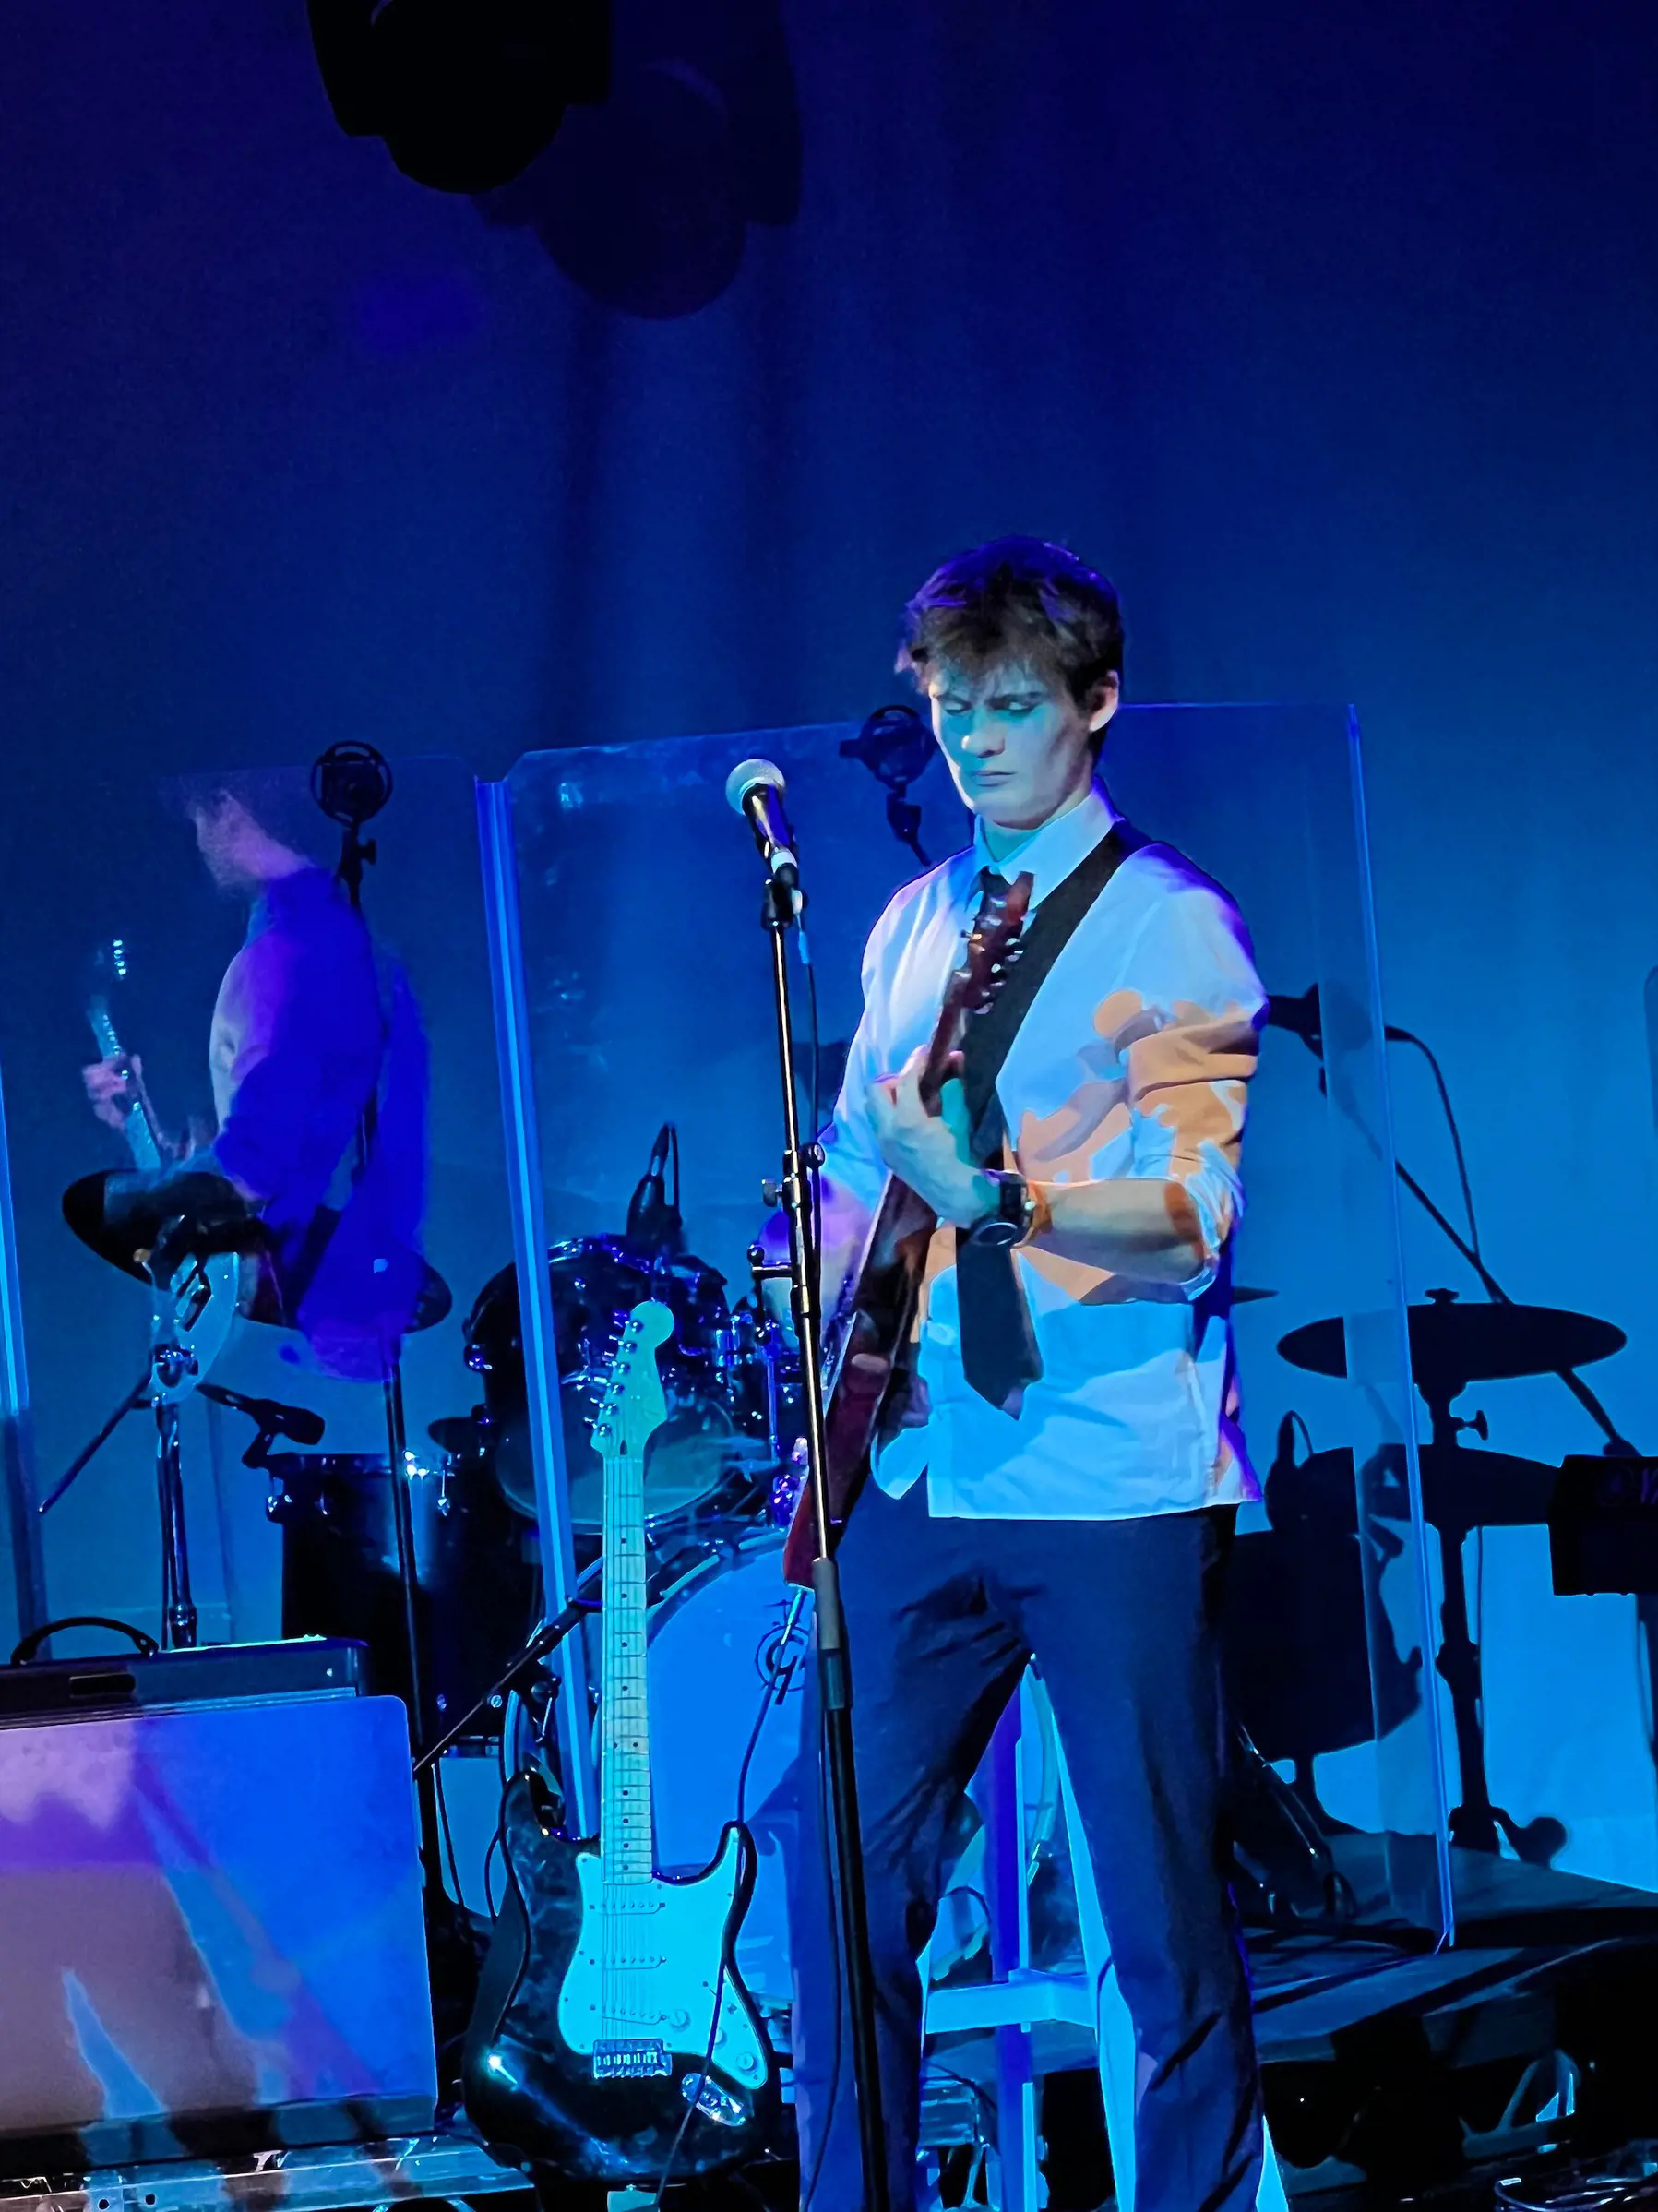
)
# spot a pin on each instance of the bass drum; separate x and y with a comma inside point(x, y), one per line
point(720, 1639)
point(596, 1284)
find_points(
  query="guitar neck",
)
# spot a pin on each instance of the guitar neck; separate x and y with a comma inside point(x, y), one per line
point(143, 1139)
point(626, 1833)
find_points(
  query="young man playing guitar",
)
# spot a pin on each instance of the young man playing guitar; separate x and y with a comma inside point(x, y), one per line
point(312, 1031)
point(1059, 1480)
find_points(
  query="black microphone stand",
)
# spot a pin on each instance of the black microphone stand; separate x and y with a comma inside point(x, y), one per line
point(351, 783)
point(1301, 1017)
point(779, 911)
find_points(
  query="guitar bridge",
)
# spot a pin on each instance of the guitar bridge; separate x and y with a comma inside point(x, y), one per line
point(633, 2058)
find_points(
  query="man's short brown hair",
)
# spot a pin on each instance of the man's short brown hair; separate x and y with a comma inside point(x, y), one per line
point(1020, 601)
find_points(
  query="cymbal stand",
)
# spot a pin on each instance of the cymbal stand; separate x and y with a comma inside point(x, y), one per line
point(1475, 1821)
point(170, 1376)
point(1475, 1824)
point(800, 1162)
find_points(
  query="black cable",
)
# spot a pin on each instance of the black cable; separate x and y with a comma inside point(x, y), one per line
point(1406, 1036)
point(831, 1890)
point(814, 1100)
point(448, 1841)
point(773, 1693)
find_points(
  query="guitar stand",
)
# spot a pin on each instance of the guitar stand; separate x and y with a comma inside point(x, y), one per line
point(547, 1639)
point(778, 915)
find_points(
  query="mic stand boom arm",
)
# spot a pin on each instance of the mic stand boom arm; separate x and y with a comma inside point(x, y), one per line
point(1616, 1443)
point(779, 911)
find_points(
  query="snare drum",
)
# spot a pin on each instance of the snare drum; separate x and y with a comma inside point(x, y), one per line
point(596, 1284)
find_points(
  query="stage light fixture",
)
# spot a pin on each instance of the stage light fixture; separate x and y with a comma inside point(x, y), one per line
point(464, 92)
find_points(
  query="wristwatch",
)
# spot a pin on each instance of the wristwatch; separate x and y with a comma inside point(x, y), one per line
point(1015, 1215)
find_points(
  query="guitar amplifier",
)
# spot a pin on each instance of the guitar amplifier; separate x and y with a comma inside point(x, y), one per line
point(212, 1674)
point(211, 1937)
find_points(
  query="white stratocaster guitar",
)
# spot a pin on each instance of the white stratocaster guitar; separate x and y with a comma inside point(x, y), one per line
point(612, 2030)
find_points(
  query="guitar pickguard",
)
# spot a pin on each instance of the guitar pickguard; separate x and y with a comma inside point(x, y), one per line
point(541, 2075)
point(639, 1991)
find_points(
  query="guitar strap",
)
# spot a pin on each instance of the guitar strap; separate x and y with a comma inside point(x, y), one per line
point(1000, 1357)
point(990, 1036)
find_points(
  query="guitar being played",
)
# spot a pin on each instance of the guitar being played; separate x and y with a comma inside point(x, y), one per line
point(866, 1378)
point(313, 1043)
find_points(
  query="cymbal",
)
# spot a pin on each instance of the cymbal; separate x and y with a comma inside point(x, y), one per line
point(120, 1215)
point(460, 1435)
point(1461, 1489)
point(1452, 1345)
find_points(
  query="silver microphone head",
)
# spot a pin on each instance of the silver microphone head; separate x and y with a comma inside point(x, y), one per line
point(746, 776)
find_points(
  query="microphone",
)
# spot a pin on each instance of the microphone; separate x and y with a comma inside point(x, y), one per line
point(274, 1419)
point(652, 1217)
point(1304, 1018)
point(755, 789)
point(1299, 1016)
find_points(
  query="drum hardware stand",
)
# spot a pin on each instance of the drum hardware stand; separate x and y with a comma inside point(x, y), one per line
point(780, 910)
point(169, 1378)
point(1476, 1823)
point(547, 1639)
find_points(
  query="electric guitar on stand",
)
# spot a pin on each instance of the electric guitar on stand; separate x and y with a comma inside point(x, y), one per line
point(612, 2033)
point(868, 1334)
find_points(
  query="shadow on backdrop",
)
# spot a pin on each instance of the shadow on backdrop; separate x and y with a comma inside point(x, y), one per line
point(644, 202)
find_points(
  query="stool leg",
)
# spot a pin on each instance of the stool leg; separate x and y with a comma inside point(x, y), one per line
point(1114, 2030)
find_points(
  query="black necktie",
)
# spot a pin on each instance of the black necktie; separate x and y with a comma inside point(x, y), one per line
point(999, 1340)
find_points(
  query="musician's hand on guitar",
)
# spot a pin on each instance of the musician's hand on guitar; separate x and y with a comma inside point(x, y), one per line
point(931, 1152)
point(112, 1085)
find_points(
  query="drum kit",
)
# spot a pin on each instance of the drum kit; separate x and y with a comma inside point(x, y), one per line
point(721, 1477)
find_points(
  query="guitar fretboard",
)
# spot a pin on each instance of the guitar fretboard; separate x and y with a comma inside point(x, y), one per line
point(142, 1139)
point(625, 1837)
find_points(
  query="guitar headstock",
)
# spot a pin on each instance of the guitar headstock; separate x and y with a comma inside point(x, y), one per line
point(993, 949)
point(634, 1407)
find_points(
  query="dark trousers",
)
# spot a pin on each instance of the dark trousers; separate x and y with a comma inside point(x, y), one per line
point(1120, 1616)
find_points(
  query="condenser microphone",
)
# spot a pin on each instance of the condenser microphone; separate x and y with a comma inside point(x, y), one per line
point(755, 790)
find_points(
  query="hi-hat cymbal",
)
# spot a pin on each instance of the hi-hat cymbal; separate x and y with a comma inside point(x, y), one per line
point(123, 1217)
point(1452, 1345)
point(1461, 1489)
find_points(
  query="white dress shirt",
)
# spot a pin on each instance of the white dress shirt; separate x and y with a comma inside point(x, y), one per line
point(1132, 1061)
